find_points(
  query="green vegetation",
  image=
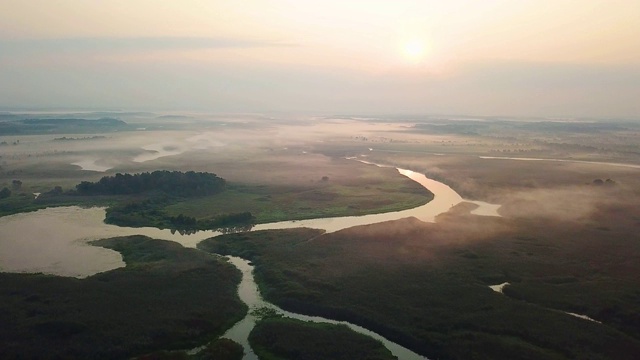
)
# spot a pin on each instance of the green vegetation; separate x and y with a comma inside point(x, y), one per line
point(277, 338)
point(23, 202)
point(425, 286)
point(202, 201)
point(161, 188)
point(137, 200)
point(61, 126)
point(167, 297)
point(278, 203)
point(176, 183)
point(64, 138)
point(150, 213)
point(219, 349)
point(265, 312)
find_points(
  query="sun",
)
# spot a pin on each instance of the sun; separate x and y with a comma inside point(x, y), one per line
point(414, 50)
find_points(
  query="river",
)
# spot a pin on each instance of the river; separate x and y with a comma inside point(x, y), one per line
point(54, 241)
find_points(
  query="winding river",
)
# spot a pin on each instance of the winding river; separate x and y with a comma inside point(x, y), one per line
point(68, 229)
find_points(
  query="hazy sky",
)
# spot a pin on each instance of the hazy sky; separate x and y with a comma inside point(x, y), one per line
point(489, 57)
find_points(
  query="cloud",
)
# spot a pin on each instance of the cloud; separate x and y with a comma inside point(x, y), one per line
point(123, 76)
point(129, 44)
point(522, 74)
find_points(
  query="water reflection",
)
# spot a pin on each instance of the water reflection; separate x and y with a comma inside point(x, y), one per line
point(224, 230)
point(54, 241)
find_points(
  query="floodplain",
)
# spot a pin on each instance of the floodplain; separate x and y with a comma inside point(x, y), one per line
point(565, 241)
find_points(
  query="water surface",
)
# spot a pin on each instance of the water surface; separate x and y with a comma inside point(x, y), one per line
point(156, 151)
point(54, 241)
point(91, 165)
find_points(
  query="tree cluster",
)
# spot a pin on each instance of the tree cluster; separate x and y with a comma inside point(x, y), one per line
point(150, 212)
point(175, 183)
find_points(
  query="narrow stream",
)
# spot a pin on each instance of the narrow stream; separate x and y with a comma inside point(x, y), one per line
point(249, 294)
point(500, 289)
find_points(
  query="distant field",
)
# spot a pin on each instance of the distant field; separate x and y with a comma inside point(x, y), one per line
point(272, 182)
point(567, 241)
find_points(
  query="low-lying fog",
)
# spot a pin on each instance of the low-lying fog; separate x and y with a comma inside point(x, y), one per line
point(301, 150)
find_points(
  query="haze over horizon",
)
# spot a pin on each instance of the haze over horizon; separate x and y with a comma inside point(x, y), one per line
point(498, 57)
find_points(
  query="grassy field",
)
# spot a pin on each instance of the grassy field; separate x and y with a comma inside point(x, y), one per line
point(219, 349)
point(167, 297)
point(267, 203)
point(288, 339)
point(270, 203)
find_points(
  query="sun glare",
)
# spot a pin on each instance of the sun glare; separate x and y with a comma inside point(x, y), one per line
point(414, 50)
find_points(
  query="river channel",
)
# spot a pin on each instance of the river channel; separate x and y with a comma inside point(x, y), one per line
point(54, 241)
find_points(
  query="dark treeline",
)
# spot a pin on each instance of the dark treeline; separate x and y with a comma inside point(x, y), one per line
point(13, 126)
point(64, 138)
point(140, 200)
point(150, 213)
point(175, 183)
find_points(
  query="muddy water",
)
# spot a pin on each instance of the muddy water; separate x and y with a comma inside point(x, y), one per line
point(54, 241)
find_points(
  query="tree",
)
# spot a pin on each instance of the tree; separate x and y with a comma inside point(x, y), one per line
point(57, 190)
point(5, 193)
point(169, 182)
point(16, 184)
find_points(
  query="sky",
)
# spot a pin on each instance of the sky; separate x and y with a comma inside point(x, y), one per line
point(552, 58)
